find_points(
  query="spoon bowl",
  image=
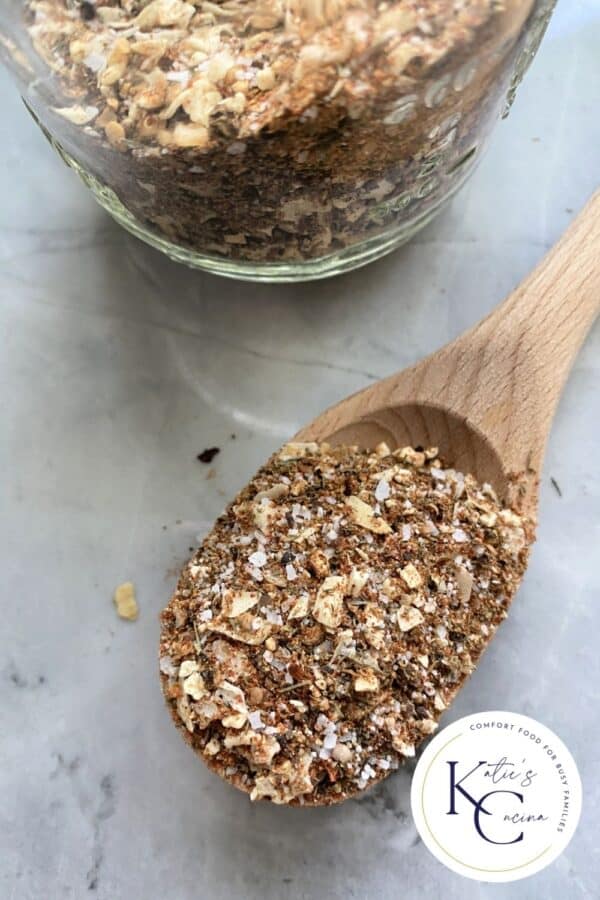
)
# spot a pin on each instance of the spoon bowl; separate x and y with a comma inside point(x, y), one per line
point(422, 425)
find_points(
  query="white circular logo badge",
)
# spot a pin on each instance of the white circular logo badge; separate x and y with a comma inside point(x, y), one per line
point(496, 796)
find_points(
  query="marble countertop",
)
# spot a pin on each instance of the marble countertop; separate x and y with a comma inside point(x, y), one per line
point(117, 367)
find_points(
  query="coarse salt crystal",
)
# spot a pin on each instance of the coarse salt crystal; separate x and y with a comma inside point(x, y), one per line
point(95, 61)
point(406, 532)
point(206, 615)
point(258, 559)
point(460, 536)
point(290, 572)
point(255, 720)
point(272, 616)
point(167, 666)
point(382, 491)
point(182, 76)
point(330, 740)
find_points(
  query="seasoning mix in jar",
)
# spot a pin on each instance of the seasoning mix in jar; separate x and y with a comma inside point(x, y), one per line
point(274, 140)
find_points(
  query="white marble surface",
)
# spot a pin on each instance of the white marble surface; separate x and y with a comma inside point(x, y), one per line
point(116, 369)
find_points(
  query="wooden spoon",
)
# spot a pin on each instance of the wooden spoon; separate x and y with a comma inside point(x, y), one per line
point(488, 398)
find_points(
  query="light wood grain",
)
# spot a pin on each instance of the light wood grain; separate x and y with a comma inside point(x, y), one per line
point(488, 398)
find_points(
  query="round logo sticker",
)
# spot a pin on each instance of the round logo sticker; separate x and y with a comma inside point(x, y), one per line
point(496, 796)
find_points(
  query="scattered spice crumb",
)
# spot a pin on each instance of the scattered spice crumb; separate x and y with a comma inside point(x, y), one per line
point(208, 454)
point(325, 623)
point(556, 486)
point(125, 602)
point(211, 474)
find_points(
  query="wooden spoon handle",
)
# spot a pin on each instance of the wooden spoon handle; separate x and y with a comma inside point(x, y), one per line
point(506, 374)
point(488, 397)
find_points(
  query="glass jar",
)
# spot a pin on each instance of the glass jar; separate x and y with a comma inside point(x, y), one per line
point(278, 140)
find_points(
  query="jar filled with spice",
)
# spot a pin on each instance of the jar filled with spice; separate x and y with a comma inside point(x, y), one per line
point(276, 140)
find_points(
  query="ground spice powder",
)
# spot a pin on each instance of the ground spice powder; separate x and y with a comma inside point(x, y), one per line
point(332, 614)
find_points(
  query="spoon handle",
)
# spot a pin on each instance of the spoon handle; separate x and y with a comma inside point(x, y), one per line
point(488, 397)
point(512, 366)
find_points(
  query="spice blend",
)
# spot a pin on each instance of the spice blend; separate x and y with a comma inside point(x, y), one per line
point(279, 130)
point(332, 614)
